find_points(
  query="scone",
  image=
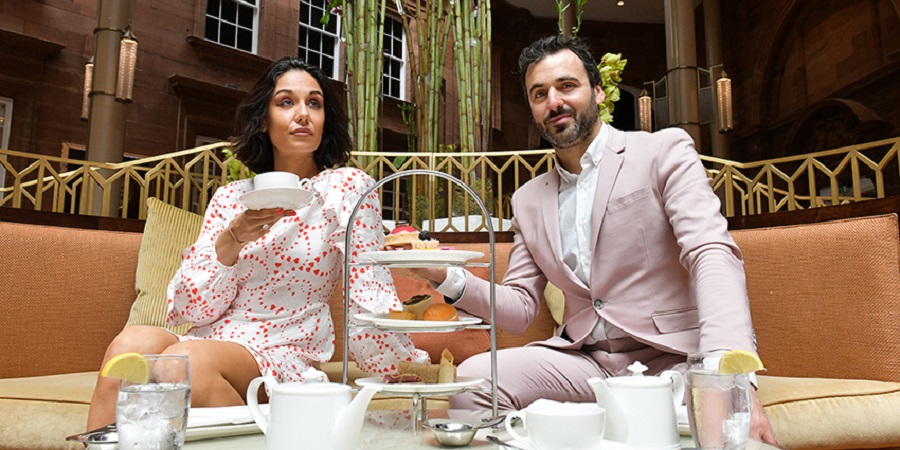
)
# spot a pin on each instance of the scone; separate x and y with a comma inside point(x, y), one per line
point(401, 315)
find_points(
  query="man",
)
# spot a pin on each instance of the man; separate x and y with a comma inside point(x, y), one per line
point(630, 231)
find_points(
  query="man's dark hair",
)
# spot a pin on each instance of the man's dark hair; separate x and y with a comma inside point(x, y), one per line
point(549, 45)
point(253, 146)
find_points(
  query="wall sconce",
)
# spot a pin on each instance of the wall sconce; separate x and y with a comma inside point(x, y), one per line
point(724, 104)
point(645, 111)
point(655, 104)
point(127, 62)
point(86, 91)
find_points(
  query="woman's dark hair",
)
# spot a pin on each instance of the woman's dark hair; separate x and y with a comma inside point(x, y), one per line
point(253, 146)
point(549, 45)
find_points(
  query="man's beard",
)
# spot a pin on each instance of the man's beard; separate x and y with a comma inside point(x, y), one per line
point(560, 137)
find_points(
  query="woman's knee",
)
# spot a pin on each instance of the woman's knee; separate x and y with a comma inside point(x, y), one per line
point(141, 339)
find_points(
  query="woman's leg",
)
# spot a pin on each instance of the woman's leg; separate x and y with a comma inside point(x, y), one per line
point(220, 371)
point(140, 339)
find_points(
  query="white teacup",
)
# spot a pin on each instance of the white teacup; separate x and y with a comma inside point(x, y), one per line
point(554, 425)
point(276, 180)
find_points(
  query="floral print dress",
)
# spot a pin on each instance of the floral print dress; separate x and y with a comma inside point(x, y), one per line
point(274, 299)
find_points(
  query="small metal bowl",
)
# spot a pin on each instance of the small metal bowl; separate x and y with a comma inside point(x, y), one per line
point(451, 433)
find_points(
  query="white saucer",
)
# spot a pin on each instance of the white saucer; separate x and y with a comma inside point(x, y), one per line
point(605, 445)
point(287, 198)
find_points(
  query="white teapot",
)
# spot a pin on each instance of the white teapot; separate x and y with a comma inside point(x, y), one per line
point(310, 413)
point(640, 411)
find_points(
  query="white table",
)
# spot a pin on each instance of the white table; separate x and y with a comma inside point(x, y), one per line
point(393, 430)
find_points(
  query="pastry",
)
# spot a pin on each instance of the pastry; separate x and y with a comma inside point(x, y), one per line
point(445, 372)
point(440, 312)
point(417, 305)
point(401, 315)
point(407, 237)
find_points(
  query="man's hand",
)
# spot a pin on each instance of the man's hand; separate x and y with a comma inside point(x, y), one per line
point(760, 427)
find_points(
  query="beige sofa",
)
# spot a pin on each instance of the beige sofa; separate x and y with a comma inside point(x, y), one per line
point(825, 299)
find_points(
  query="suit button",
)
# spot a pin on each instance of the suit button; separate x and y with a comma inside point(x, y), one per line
point(598, 304)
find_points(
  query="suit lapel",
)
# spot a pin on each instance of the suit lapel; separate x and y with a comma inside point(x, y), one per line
point(549, 205)
point(606, 179)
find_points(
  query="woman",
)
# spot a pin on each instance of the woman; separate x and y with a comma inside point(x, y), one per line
point(256, 283)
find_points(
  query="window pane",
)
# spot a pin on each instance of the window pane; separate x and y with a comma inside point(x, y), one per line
point(245, 39)
point(328, 45)
point(398, 48)
point(212, 29)
point(245, 15)
point(315, 18)
point(315, 60)
point(332, 24)
point(212, 8)
point(229, 11)
point(304, 12)
point(314, 42)
point(395, 88)
point(228, 33)
point(328, 66)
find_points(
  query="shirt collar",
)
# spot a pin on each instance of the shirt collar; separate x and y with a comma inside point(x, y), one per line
point(591, 157)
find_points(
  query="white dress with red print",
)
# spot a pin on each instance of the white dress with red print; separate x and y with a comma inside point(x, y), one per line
point(274, 300)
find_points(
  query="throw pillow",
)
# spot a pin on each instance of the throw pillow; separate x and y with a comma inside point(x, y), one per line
point(167, 232)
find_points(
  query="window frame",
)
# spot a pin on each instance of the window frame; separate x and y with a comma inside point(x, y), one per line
point(337, 56)
point(5, 127)
point(254, 31)
point(404, 73)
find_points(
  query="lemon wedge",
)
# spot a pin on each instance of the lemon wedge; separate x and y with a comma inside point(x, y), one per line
point(739, 361)
point(132, 367)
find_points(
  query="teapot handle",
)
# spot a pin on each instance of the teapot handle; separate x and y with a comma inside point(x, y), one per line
point(677, 386)
point(253, 403)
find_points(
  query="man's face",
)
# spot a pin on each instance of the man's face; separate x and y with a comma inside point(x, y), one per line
point(563, 104)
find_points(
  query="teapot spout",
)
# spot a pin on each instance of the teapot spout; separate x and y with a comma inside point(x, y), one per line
point(616, 420)
point(346, 428)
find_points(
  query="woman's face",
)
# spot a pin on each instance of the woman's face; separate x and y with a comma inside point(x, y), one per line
point(295, 119)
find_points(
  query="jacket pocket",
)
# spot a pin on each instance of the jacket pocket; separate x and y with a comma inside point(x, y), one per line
point(627, 199)
point(677, 320)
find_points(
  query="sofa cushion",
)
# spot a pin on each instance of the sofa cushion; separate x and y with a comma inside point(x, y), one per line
point(168, 231)
point(54, 296)
point(821, 413)
point(825, 293)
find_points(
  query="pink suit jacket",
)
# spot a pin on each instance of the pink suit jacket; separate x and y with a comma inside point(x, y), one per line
point(664, 268)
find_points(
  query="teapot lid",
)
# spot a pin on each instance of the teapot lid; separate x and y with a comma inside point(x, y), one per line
point(637, 378)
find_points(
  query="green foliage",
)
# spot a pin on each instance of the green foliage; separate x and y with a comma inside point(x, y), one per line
point(560, 9)
point(235, 168)
point(461, 199)
point(611, 67)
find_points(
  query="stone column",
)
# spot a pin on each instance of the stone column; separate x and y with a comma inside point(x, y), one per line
point(712, 22)
point(681, 62)
point(106, 120)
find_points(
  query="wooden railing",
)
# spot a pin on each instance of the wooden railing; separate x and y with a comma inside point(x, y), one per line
point(189, 178)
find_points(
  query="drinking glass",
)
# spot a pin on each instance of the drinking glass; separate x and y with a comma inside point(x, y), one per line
point(153, 415)
point(718, 405)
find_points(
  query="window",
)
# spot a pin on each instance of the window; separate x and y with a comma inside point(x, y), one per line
point(6, 105)
point(394, 40)
point(233, 23)
point(319, 44)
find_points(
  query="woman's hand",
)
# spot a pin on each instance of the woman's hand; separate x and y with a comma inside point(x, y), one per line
point(248, 226)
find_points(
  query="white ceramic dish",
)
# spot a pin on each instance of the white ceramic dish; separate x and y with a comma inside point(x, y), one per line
point(383, 320)
point(287, 198)
point(605, 445)
point(421, 257)
point(420, 388)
